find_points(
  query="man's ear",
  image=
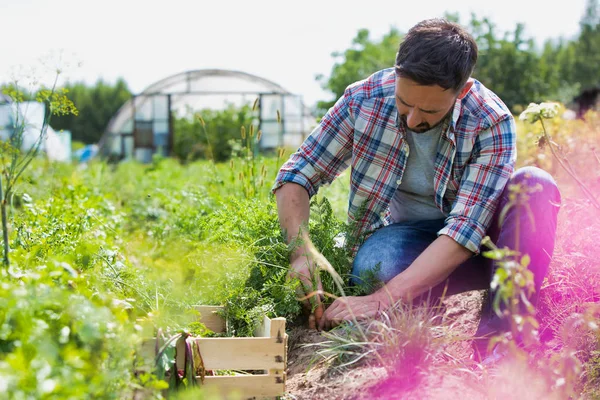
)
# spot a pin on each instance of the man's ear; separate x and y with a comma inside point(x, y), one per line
point(465, 89)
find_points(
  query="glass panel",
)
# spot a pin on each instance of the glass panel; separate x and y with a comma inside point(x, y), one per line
point(161, 126)
point(271, 137)
point(143, 155)
point(114, 144)
point(121, 118)
point(127, 126)
point(161, 140)
point(175, 87)
point(161, 143)
point(182, 104)
point(6, 123)
point(161, 107)
point(309, 123)
point(128, 144)
point(269, 106)
point(143, 134)
point(292, 106)
point(143, 108)
point(292, 126)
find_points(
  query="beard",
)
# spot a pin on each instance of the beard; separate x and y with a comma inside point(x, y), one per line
point(425, 126)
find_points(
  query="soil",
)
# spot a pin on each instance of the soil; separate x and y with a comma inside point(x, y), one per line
point(310, 378)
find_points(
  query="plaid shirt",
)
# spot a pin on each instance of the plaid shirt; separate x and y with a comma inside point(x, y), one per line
point(474, 161)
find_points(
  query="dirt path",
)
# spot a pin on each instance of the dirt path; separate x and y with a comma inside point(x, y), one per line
point(309, 379)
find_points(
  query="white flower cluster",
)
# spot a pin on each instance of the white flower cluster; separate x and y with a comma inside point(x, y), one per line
point(535, 112)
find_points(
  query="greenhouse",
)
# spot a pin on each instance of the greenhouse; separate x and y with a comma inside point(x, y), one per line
point(144, 125)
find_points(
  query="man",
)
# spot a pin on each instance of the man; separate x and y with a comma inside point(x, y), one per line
point(432, 154)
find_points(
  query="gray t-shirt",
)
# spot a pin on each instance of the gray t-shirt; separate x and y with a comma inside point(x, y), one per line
point(414, 199)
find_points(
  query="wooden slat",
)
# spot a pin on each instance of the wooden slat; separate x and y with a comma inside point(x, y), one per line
point(242, 353)
point(277, 332)
point(271, 327)
point(264, 329)
point(266, 352)
point(277, 328)
point(245, 386)
point(209, 318)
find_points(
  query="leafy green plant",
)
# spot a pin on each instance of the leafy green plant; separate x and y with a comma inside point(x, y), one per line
point(513, 285)
point(59, 340)
point(14, 159)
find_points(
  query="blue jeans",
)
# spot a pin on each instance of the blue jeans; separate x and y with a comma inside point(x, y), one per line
point(396, 246)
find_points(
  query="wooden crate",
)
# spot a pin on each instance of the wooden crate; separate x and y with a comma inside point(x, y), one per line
point(267, 351)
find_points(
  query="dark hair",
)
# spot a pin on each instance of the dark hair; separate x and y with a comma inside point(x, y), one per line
point(437, 52)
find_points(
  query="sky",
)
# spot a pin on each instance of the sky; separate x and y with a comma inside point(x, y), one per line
point(288, 42)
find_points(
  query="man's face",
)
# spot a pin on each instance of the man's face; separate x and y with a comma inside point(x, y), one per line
point(422, 107)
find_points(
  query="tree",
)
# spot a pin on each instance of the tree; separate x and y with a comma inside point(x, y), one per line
point(509, 63)
point(362, 59)
point(96, 104)
point(587, 47)
point(509, 66)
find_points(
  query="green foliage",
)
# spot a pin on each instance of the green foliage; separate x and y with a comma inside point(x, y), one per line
point(587, 47)
point(209, 134)
point(362, 59)
point(511, 56)
point(14, 158)
point(267, 288)
point(58, 102)
point(96, 104)
point(323, 228)
point(510, 64)
point(59, 339)
point(513, 285)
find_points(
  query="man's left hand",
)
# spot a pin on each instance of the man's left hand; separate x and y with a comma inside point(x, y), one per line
point(362, 307)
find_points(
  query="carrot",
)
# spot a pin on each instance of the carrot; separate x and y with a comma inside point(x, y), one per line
point(312, 322)
point(319, 313)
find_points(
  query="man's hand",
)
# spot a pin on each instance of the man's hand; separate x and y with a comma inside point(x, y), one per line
point(362, 307)
point(307, 272)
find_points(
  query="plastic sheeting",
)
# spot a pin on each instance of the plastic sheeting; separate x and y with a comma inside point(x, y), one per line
point(56, 145)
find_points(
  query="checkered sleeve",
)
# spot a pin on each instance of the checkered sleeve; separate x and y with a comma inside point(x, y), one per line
point(482, 184)
point(325, 153)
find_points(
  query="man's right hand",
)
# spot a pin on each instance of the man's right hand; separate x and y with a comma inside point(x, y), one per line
point(293, 205)
point(311, 288)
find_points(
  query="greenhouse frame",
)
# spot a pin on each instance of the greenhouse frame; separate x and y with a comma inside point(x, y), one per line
point(143, 126)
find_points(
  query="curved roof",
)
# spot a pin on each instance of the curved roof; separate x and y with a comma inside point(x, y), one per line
point(198, 83)
point(204, 79)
